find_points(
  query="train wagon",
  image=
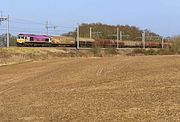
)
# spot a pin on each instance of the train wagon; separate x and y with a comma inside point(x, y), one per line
point(71, 41)
point(33, 40)
point(132, 44)
point(153, 44)
point(106, 43)
point(63, 41)
point(86, 42)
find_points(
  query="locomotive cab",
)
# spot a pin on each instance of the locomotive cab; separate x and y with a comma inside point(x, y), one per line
point(21, 39)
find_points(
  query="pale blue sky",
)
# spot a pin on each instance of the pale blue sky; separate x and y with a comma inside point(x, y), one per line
point(160, 16)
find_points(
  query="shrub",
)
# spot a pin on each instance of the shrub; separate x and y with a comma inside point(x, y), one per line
point(96, 51)
point(112, 51)
point(151, 52)
point(143, 52)
point(176, 45)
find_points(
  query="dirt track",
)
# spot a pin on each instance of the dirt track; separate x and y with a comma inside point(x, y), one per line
point(92, 89)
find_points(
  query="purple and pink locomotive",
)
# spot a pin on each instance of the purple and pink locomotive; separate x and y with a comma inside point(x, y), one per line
point(31, 39)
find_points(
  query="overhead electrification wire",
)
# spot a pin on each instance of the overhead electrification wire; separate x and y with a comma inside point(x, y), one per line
point(32, 26)
point(27, 20)
point(20, 20)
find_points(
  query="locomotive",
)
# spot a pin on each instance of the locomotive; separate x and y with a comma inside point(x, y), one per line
point(60, 41)
point(33, 40)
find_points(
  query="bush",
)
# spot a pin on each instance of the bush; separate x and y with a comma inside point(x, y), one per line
point(96, 51)
point(165, 51)
point(144, 52)
point(112, 51)
point(176, 45)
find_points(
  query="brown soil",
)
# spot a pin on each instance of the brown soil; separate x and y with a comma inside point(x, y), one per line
point(140, 88)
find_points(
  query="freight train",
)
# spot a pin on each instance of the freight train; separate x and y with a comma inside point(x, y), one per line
point(60, 41)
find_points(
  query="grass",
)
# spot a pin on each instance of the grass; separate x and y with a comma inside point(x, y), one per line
point(176, 45)
point(111, 51)
point(172, 50)
point(18, 55)
point(165, 51)
point(96, 51)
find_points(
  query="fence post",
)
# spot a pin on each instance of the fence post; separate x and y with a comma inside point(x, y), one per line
point(117, 37)
point(162, 42)
point(77, 37)
point(121, 36)
point(90, 33)
point(144, 39)
point(7, 32)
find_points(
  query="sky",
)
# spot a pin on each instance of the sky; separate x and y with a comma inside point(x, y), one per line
point(159, 16)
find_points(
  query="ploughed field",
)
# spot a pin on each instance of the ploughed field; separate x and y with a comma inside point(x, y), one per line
point(139, 88)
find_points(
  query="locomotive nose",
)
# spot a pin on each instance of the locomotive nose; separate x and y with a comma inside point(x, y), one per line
point(20, 40)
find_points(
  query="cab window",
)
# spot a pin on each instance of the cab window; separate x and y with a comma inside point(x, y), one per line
point(31, 39)
point(20, 37)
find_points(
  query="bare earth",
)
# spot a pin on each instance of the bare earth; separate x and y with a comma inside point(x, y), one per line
point(140, 88)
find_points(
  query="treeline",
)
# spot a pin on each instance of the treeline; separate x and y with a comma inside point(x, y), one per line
point(12, 40)
point(104, 31)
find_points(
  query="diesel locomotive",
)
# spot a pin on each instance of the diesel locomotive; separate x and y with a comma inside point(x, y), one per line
point(33, 40)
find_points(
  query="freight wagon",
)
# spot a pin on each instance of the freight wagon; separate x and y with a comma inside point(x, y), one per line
point(71, 42)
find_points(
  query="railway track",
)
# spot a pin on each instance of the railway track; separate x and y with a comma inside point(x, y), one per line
point(83, 48)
